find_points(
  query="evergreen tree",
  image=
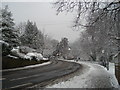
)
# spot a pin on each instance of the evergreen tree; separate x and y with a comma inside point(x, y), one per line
point(8, 32)
point(62, 48)
point(8, 35)
point(32, 37)
point(27, 37)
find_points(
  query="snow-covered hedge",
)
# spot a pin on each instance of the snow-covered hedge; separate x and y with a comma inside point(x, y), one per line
point(30, 55)
point(38, 56)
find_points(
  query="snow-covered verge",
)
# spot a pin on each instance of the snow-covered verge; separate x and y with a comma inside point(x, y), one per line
point(95, 76)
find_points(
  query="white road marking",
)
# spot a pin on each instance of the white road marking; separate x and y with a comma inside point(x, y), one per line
point(25, 77)
point(21, 85)
point(2, 78)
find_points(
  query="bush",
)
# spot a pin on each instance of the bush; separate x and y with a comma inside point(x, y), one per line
point(6, 48)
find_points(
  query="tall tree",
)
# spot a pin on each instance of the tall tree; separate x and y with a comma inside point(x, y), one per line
point(9, 34)
point(50, 45)
point(20, 28)
point(32, 37)
point(62, 48)
point(95, 13)
point(85, 8)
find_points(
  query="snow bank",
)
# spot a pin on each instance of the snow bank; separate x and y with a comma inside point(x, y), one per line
point(92, 76)
point(38, 56)
point(29, 55)
point(12, 56)
point(45, 59)
point(1, 41)
point(15, 50)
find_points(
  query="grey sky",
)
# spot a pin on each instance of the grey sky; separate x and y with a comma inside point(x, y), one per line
point(57, 26)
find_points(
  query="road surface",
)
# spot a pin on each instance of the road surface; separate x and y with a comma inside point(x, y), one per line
point(39, 75)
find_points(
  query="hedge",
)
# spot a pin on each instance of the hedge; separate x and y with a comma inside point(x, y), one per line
point(8, 63)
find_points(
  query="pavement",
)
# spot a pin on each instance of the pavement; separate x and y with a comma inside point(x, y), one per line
point(42, 75)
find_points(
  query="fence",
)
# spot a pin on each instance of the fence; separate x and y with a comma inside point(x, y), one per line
point(117, 72)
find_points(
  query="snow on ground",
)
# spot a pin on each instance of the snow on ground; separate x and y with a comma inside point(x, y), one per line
point(112, 73)
point(12, 56)
point(92, 76)
point(37, 55)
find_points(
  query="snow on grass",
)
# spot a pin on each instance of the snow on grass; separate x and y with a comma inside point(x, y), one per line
point(93, 76)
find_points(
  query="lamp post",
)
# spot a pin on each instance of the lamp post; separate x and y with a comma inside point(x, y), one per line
point(69, 49)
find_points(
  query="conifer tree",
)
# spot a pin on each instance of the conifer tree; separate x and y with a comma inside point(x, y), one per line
point(9, 34)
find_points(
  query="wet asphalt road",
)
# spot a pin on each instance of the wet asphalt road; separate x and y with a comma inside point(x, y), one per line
point(39, 75)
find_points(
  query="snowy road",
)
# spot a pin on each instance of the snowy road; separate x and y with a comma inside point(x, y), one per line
point(92, 76)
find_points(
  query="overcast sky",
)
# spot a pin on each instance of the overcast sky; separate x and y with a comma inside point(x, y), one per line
point(43, 13)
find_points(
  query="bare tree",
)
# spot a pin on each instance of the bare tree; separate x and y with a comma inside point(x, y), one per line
point(87, 8)
point(103, 17)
